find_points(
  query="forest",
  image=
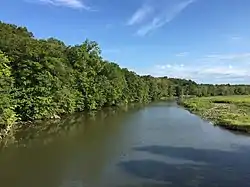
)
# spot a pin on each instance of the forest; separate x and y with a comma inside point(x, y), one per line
point(45, 78)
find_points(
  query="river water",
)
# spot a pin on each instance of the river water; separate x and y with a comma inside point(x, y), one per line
point(157, 145)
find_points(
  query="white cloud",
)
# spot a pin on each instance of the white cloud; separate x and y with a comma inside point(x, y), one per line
point(224, 70)
point(163, 67)
point(77, 4)
point(158, 14)
point(140, 15)
point(214, 69)
point(182, 54)
point(236, 38)
point(236, 56)
point(204, 74)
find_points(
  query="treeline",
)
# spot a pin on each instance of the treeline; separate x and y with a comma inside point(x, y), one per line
point(44, 78)
point(190, 88)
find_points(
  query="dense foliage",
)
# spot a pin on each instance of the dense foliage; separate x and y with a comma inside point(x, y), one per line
point(44, 78)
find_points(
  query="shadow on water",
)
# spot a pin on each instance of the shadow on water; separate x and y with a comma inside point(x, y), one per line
point(209, 167)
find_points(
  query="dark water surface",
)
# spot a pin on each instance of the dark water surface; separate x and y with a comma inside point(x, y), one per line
point(154, 146)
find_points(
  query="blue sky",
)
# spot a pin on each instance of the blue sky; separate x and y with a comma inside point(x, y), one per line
point(204, 40)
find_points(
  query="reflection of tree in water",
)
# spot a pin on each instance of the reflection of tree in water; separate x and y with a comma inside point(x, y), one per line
point(47, 130)
point(145, 185)
point(209, 167)
point(7, 138)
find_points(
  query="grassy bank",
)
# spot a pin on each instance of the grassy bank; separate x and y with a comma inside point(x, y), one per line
point(231, 112)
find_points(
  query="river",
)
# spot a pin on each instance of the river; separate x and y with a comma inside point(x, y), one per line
point(157, 145)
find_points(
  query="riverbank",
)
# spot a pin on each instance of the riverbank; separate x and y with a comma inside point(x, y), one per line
point(230, 112)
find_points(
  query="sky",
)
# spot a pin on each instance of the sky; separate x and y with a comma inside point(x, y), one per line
point(207, 41)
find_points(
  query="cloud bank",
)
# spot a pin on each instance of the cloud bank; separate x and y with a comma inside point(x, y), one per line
point(217, 69)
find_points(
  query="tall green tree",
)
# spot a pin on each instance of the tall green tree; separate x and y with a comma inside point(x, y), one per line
point(7, 114)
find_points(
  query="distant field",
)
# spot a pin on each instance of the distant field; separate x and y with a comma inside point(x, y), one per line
point(232, 112)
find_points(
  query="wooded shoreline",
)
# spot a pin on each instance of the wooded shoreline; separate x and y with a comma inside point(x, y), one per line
point(45, 78)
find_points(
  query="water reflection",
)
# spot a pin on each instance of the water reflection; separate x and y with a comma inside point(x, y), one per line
point(145, 185)
point(220, 168)
point(47, 131)
point(69, 152)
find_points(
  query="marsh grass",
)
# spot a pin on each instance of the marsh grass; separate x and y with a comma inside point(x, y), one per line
point(232, 112)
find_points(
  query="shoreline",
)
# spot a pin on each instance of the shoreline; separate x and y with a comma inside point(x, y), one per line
point(231, 127)
point(219, 113)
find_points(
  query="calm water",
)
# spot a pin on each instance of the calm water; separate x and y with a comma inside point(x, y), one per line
point(158, 145)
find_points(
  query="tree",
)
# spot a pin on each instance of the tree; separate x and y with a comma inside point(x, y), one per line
point(7, 114)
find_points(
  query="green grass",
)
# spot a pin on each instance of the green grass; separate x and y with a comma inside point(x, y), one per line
point(232, 112)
